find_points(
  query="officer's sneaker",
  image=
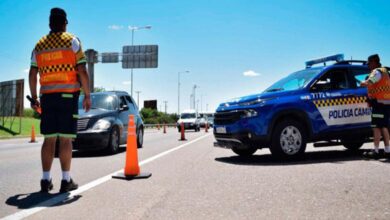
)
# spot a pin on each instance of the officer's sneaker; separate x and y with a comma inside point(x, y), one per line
point(371, 155)
point(68, 186)
point(387, 155)
point(46, 185)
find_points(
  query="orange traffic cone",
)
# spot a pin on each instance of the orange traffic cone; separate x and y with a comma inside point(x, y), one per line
point(182, 138)
point(206, 127)
point(132, 170)
point(32, 134)
point(165, 129)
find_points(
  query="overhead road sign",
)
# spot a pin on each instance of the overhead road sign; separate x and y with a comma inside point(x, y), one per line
point(110, 57)
point(140, 56)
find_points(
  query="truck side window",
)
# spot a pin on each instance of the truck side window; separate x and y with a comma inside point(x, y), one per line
point(359, 75)
point(132, 105)
point(333, 80)
point(122, 101)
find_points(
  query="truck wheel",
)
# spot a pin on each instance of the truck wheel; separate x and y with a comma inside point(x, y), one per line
point(288, 140)
point(244, 152)
point(113, 143)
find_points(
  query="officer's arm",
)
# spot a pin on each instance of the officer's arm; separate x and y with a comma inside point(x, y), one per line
point(84, 79)
point(33, 80)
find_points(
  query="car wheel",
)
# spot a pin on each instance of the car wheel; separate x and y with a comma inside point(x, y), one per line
point(140, 138)
point(352, 145)
point(288, 140)
point(113, 143)
point(244, 152)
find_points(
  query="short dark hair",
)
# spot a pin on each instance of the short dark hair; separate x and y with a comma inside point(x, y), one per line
point(57, 19)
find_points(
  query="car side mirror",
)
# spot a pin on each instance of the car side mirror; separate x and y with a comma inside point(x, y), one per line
point(124, 108)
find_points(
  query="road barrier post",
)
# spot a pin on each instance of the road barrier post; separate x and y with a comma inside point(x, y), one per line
point(32, 134)
point(165, 129)
point(182, 138)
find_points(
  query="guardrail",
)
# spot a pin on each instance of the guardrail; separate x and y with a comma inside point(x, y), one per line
point(161, 125)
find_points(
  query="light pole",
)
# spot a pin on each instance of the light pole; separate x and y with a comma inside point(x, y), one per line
point(138, 92)
point(133, 29)
point(165, 103)
point(194, 96)
point(178, 90)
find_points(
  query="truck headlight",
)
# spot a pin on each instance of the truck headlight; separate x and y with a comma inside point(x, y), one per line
point(250, 113)
point(253, 102)
point(101, 124)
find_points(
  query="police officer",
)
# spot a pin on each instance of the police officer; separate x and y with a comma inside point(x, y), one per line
point(60, 62)
point(378, 85)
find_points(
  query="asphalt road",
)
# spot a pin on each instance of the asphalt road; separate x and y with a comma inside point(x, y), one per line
point(198, 181)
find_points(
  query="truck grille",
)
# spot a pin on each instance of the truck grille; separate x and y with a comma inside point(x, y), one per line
point(225, 118)
point(82, 124)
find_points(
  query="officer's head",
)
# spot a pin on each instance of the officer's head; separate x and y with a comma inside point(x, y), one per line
point(57, 20)
point(374, 61)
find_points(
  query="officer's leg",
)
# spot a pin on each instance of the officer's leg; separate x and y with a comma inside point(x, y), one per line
point(47, 153)
point(377, 137)
point(65, 153)
point(385, 133)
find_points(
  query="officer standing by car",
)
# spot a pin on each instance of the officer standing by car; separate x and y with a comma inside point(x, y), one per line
point(378, 85)
point(60, 62)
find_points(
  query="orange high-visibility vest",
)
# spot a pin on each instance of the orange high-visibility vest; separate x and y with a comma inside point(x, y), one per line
point(56, 63)
point(380, 90)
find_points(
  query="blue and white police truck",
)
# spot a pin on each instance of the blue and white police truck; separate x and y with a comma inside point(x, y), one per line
point(321, 104)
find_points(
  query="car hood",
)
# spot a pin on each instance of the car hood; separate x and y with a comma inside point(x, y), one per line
point(96, 113)
point(253, 99)
point(187, 120)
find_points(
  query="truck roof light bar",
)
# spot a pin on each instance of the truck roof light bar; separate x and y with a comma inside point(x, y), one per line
point(337, 58)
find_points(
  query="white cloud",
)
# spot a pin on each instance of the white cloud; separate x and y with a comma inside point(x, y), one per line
point(115, 27)
point(250, 73)
point(126, 82)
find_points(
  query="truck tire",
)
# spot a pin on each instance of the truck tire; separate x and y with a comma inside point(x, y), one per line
point(244, 152)
point(288, 140)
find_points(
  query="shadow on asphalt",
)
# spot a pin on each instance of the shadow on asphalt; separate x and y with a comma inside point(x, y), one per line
point(333, 156)
point(38, 199)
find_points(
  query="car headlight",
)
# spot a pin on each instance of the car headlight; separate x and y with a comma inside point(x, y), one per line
point(101, 124)
point(250, 113)
point(253, 102)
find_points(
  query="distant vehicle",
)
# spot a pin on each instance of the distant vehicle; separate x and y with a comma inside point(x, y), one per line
point(206, 118)
point(210, 121)
point(191, 120)
point(105, 125)
point(325, 105)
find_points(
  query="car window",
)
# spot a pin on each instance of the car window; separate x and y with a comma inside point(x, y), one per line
point(132, 105)
point(122, 101)
point(333, 80)
point(359, 75)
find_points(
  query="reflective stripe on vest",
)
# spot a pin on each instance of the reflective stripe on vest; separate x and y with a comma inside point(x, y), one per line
point(381, 89)
point(56, 63)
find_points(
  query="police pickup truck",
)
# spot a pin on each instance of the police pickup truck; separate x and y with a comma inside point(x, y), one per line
point(324, 105)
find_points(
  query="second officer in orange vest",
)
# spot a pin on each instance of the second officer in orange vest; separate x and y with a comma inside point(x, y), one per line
point(378, 86)
point(60, 62)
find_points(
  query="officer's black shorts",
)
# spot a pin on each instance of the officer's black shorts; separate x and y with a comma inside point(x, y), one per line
point(379, 115)
point(59, 114)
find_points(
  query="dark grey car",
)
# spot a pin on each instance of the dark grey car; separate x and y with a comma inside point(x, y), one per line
point(105, 126)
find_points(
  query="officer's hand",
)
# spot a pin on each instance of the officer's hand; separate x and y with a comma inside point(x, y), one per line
point(35, 105)
point(86, 103)
point(364, 83)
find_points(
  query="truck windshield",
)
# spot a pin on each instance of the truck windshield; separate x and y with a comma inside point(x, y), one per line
point(99, 101)
point(187, 115)
point(294, 81)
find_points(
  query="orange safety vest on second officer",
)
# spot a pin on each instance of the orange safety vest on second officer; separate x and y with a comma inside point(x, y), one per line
point(56, 62)
point(380, 90)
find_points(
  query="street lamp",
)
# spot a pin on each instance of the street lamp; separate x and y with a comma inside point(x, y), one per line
point(138, 92)
point(194, 96)
point(178, 90)
point(133, 29)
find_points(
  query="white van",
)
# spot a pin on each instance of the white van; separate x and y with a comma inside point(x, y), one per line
point(190, 118)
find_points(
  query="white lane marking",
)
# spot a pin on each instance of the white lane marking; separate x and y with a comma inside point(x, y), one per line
point(57, 199)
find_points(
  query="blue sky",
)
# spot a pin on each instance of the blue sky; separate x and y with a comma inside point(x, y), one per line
point(217, 41)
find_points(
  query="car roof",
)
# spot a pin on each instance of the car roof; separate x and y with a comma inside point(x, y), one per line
point(115, 92)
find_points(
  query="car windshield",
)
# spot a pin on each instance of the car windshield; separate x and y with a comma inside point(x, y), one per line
point(99, 101)
point(187, 115)
point(294, 81)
